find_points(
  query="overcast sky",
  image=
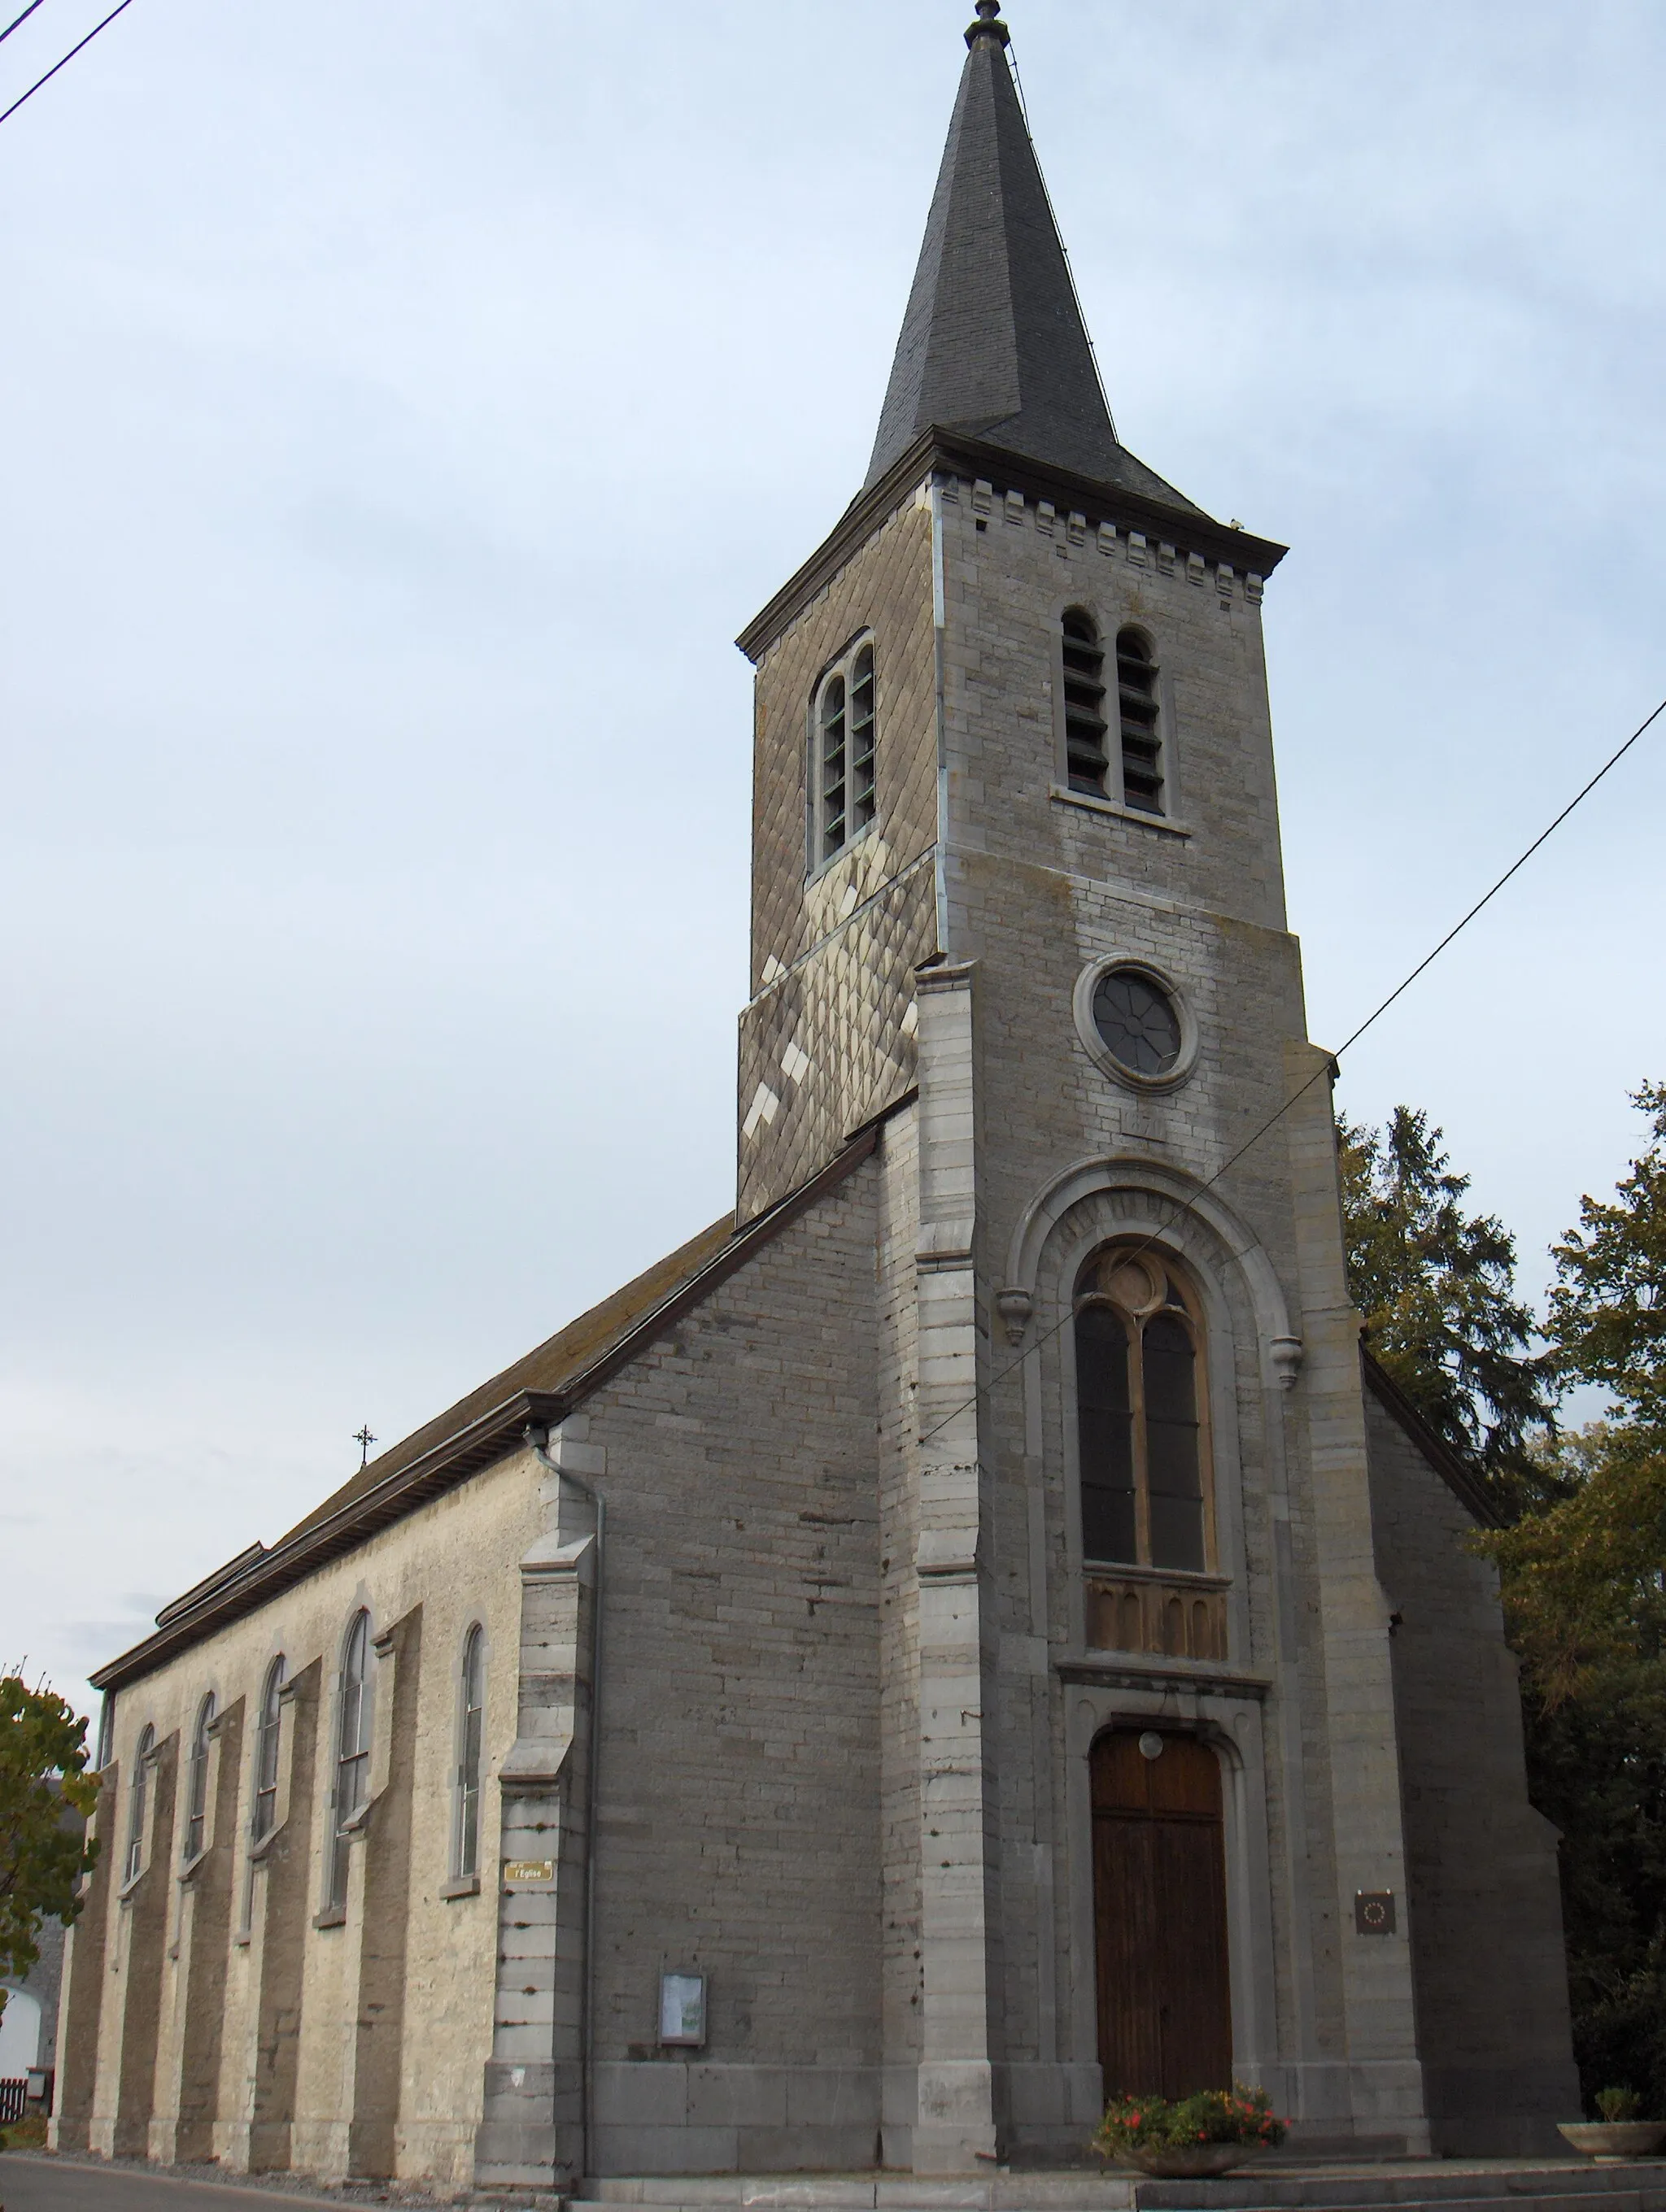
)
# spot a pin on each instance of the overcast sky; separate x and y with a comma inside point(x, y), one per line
point(406, 404)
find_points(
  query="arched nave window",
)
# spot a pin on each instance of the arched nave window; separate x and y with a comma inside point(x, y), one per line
point(137, 1789)
point(1142, 1426)
point(352, 1782)
point(471, 1716)
point(268, 1739)
point(197, 1781)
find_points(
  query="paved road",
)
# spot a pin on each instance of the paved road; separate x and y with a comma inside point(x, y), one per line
point(51, 2184)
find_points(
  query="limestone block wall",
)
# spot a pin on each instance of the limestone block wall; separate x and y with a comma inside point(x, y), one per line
point(738, 1773)
point(897, 1235)
point(1484, 1905)
point(1040, 884)
point(239, 2018)
point(84, 1975)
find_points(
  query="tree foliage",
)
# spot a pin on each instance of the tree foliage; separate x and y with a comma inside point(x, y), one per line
point(1437, 1287)
point(1608, 1311)
point(1584, 1582)
point(43, 1856)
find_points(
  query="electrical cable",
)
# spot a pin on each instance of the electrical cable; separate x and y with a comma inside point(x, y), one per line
point(16, 19)
point(1328, 1066)
point(70, 57)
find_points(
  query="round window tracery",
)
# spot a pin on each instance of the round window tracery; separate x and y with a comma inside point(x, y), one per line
point(1138, 1022)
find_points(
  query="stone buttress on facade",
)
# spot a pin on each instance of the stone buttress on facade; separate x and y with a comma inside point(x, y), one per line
point(968, 1633)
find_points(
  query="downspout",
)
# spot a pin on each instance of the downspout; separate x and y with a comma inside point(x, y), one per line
point(537, 1435)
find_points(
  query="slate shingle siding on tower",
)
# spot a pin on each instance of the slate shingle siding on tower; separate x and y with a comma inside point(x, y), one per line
point(850, 934)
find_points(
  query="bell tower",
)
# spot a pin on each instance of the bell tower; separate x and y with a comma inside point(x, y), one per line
point(1019, 906)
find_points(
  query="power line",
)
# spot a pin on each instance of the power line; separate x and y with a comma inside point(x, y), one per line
point(23, 18)
point(70, 57)
point(1296, 1096)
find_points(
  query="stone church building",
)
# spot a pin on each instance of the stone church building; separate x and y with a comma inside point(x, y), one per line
point(969, 1631)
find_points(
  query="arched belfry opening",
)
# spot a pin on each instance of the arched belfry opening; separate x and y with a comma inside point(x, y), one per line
point(1159, 1914)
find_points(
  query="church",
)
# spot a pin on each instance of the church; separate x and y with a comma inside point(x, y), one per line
point(970, 1632)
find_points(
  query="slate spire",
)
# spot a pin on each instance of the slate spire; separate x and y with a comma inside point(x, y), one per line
point(992, 343)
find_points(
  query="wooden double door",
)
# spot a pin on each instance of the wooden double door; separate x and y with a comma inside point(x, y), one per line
point(1159, 1899)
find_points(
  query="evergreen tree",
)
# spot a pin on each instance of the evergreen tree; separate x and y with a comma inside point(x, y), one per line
point(1608, 1311)
point(1437, 1287)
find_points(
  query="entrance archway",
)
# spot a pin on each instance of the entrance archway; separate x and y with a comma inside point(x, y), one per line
point(1159, 1909)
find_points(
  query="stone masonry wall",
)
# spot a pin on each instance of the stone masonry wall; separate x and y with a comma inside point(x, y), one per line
point(827, 1040)
point(739, 1775)
point(456, 1559)
point(1486, 1915)
point(1038, 885)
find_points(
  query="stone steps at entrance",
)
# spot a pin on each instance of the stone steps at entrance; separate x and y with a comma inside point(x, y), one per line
point(1405, 2185)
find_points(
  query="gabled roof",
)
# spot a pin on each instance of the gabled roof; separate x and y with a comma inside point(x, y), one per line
point(994, 345)
point(539, 1390)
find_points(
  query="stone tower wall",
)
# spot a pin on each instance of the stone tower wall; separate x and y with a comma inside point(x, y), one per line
point(828, 1039)
point(1039, 884)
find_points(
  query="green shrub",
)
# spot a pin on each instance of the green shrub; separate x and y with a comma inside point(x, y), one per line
point(1619, 2104)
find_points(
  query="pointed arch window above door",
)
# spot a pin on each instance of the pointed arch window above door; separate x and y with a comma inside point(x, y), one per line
point(1146, 1496)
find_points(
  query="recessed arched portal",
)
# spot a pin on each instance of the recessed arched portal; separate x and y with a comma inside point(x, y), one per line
point(1159, 1909)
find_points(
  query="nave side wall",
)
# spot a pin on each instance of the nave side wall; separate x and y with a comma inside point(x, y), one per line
point(224, 2017)
point(1483, 1898)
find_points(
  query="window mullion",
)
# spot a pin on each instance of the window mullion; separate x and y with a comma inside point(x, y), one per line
point(1137, 1426)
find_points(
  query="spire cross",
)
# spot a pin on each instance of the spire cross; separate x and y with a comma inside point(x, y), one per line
point(363, 1439)
point(988, 24)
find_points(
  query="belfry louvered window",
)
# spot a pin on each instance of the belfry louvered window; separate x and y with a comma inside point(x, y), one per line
point(1137, 707)
point(844, 729)
point(1087, 759)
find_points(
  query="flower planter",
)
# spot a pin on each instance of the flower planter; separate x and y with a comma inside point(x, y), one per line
point(1193, 2164)
point(1611, 2142)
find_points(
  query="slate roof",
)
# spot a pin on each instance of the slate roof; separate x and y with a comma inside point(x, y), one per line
point(993, 345)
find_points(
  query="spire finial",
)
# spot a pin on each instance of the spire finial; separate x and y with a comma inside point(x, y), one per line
point(988, 24)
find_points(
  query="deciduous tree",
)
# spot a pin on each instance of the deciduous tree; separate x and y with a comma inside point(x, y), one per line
point(43, 1772)
point(1584, 1578)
